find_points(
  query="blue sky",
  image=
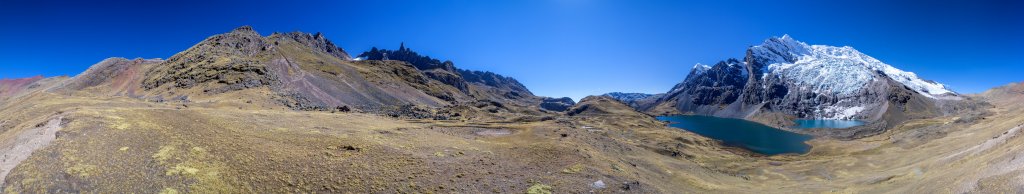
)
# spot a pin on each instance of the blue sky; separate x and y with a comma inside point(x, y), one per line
point(556, 48)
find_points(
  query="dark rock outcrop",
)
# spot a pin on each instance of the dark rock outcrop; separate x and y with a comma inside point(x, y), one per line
point(227, 59)
point(444, 72)
point(319, 43)
point(421, 62)
point(719, 84)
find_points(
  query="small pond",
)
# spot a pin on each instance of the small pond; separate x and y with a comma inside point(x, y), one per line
point(741, 133)
point(833, 124)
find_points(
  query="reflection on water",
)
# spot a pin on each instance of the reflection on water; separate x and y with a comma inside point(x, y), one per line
point(835, 124)
point(742, 133)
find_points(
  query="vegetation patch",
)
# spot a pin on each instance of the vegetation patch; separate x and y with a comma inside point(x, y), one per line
point(82, 170)
point(181, 169)
point(164, 154)
point(538, 188)
point(575, 168)
point(169, 191)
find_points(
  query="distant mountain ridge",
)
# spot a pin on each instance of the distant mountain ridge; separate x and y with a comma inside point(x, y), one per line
point(10, 88)
point(639, 101)
point(628, 97)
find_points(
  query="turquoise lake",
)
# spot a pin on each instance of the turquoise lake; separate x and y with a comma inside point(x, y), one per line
point(741, 133)
point(834, 124)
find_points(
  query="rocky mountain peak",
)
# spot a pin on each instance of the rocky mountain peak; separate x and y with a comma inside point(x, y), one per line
point(246, 29)
point(318, 42)
point(780, 49)
point(243, 28)
point(403, 53)
point(700, 67)
point(228, 58)
point(787, 76)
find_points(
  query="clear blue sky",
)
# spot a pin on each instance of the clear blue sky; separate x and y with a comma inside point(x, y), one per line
point(556, 48)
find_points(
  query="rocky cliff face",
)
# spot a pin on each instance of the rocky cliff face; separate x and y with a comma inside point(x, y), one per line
point(405, 54)
point(317, 42)
point(708, 86)
point(783, 75)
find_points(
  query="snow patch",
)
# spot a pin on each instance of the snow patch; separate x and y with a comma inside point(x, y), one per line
point(839, 112)
point(701, 68)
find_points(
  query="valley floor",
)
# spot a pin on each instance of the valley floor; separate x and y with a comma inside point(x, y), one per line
point(116, 144)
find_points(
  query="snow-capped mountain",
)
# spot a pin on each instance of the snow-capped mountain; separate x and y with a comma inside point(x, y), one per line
point(783, 75)
point(841, 69)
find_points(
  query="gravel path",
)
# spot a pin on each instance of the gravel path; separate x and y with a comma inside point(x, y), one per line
point(25, 143)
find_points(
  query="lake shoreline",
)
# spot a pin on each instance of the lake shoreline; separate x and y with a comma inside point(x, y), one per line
point(787, 123)
point(753, 136)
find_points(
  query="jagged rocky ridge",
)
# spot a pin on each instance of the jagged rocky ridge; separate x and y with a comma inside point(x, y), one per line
point(445, 71)
point(317, 42)
point(784, 77)
point(305, 71)
point(480, 85)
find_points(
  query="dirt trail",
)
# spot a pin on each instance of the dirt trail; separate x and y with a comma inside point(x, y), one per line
point(28, 141)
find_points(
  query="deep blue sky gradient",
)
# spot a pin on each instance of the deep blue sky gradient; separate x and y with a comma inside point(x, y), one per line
point(556, 48)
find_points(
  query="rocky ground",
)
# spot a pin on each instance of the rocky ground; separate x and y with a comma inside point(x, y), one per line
point(121, 144)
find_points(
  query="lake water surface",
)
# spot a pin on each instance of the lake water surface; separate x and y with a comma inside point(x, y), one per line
point(752, 136)
point(835, 124)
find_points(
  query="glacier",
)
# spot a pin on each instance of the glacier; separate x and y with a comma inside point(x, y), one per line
point(783, 75)
point(834, 70)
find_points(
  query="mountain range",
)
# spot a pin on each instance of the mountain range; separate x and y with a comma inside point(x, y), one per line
point(784, 79)
point(294, 112)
